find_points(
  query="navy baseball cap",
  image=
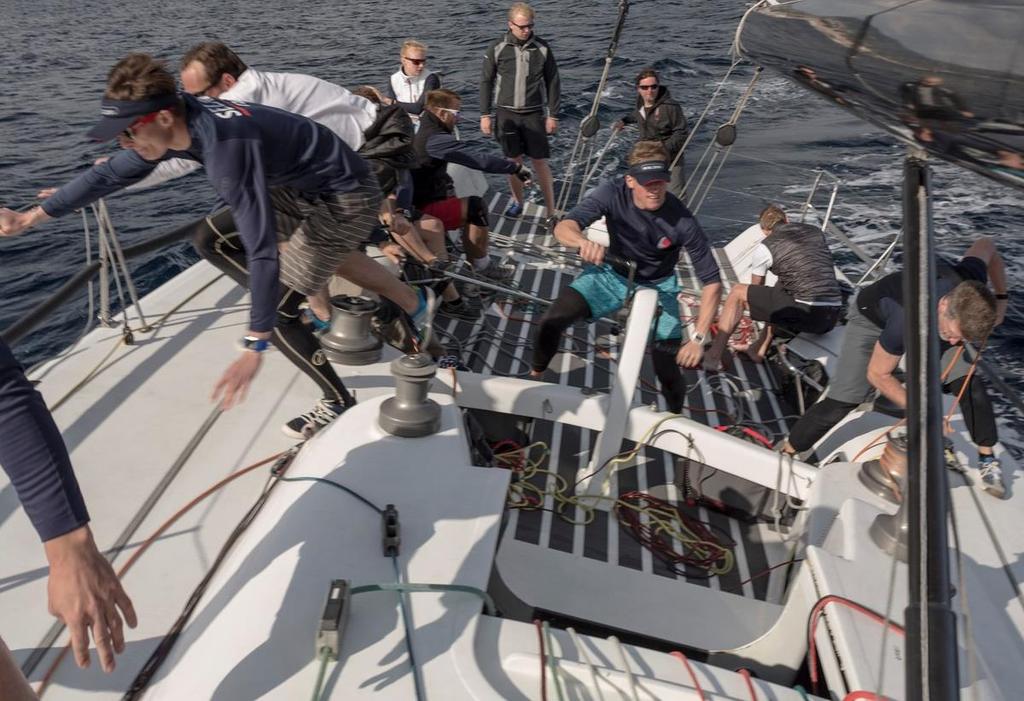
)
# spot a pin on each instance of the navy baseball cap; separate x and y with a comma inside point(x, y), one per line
point(118, 115)
point(649, 172)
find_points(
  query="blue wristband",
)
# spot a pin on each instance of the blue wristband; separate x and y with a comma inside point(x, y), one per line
point(257, 345)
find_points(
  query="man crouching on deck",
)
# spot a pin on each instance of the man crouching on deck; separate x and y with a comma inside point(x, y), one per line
point(275, 170)
point(647, 225)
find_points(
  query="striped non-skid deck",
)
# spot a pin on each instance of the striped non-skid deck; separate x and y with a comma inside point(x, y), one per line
point(500, 342)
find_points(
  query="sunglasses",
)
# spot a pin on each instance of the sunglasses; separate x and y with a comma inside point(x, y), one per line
point(522, 27)
point(415, 61)
point(451, 111)
point(144, 119)
point(647, 87)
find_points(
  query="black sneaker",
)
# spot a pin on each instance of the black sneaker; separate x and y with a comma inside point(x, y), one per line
point(306, 425)
point(496, 272)
point(460, 309)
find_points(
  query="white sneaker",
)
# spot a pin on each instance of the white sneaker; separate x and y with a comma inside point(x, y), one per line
point(992, 476)
point(304, 426)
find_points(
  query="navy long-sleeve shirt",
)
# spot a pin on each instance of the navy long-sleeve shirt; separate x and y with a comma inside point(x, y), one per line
point(447, 148)
point(652, 239)
point(33, 455)
point(246, 149)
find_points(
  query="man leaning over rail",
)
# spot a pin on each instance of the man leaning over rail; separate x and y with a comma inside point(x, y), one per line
point(275, 170)
point(649, 226)
point(84, 593)
point(806, 298)
point(873, 346)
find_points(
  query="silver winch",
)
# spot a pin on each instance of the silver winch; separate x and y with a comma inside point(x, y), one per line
point(410, 413)
point(349, 341)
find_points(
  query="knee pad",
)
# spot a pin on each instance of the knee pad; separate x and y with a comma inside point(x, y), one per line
point(476, 211)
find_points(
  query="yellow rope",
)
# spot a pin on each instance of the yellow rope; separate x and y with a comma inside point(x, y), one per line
point(663, 522)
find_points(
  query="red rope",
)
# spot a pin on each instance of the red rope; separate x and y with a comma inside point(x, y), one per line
point(650, 536)
point(812, 661)
point(750, 684)
point(686, 663)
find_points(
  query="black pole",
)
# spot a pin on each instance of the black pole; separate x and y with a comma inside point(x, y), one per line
point(931, 672)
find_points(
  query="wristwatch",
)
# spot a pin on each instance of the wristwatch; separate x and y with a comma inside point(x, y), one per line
point(1003, 296)
point(251, 343)
point(703, 338)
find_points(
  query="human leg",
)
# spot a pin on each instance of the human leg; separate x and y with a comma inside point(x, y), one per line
point(670, 375)
point(847, 388)
point(569, 307)
point(542, 171)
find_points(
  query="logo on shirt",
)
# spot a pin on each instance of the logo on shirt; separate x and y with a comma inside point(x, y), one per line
point(664, 242)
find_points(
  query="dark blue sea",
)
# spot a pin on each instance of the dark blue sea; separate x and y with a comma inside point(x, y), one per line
point(55, 56)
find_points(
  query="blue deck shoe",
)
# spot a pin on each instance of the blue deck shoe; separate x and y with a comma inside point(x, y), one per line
point(514, 211)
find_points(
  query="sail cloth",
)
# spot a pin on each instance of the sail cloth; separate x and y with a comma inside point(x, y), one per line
point(942, 76)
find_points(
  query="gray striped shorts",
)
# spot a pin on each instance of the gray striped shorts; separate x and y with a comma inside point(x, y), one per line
point(322, 232)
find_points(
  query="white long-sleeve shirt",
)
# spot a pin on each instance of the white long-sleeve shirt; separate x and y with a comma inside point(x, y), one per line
point(345, 114)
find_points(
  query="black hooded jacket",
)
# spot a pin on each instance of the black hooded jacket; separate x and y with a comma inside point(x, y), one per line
point(388, 145)
point(665, 122)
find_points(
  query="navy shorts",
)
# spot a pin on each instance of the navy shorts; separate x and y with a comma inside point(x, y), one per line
point(522, 133)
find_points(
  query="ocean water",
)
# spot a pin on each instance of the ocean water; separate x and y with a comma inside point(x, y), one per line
point(56, 55)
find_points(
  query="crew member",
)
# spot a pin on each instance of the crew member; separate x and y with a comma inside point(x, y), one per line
point(520, 77)
point(409, 85)
point(280, 173)
point(84, 593)
point(873, 346)
point(659, 117)
point(433, 189)
point(650, 226)
point(806, 298)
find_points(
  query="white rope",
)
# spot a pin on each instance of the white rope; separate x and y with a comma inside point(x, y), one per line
point(625, 667)
point(586, 658)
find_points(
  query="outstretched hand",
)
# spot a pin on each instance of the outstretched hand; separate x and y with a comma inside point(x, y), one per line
point(86, 595)
point(234, 383)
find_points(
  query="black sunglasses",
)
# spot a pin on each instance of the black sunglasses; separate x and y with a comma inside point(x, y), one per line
point(416, 61)
point(648, 87)
point(521, 26)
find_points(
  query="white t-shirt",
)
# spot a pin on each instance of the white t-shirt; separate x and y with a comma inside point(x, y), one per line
point(761, 260)
point(345, 114)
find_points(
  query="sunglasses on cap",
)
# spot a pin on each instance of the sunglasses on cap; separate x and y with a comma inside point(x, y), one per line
point(144, 119)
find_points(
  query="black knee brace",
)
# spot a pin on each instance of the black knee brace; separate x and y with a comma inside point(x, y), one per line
point(476, 211)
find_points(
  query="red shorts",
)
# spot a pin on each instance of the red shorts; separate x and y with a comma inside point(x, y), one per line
point(449, 211)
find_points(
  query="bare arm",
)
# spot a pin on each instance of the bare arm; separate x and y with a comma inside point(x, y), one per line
point(880, 375)
point(691, 352)
point(569, 234)
point(985, 250)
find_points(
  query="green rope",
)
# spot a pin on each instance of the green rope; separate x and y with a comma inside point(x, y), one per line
point(799, 689)
point(325, 653)
point(551, 660)
point(410, 587)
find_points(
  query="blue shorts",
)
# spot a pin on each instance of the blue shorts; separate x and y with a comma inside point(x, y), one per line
point(605, 291)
